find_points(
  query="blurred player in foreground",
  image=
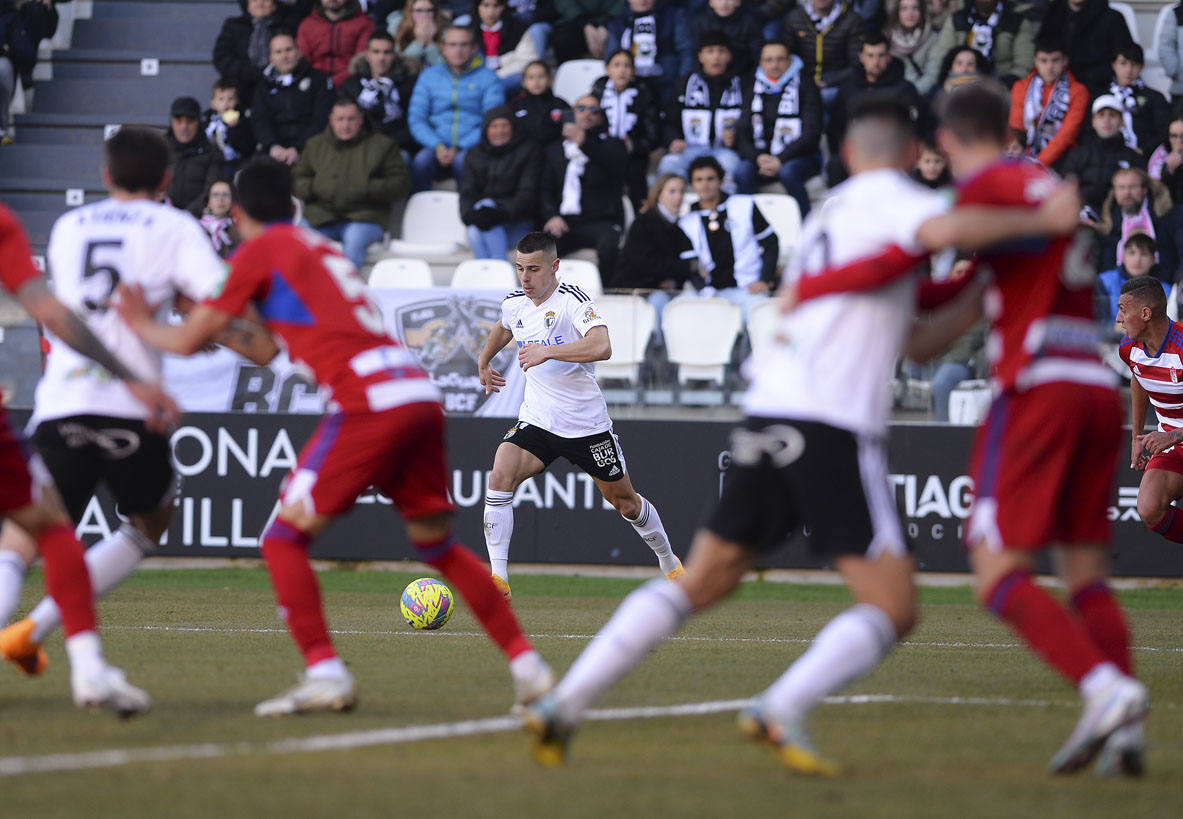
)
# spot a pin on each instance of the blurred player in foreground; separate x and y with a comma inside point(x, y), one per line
point(810, 414)
point(28, 499)
point(386, 430)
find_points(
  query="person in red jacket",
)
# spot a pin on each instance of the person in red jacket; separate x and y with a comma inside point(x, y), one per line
point(330, 36)
point(1049, 105)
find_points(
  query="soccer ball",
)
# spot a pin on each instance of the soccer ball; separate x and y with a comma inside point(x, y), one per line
point(427, 604)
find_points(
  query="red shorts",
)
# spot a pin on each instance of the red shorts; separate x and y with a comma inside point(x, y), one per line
point(16, 484)
point(1169, 461)
point(400, 451)
point(1043, 465)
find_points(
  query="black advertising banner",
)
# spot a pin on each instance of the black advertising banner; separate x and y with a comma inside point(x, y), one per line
point(232, 466)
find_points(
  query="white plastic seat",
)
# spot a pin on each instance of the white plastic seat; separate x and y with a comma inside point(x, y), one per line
point(401, 273)
point(431, 226)
point(485, 274)
point(969, 402)
point(763, 319)
point(631, 321)
point(583, 274)
point(574, 78)
point(699, 334)
point(784, 214)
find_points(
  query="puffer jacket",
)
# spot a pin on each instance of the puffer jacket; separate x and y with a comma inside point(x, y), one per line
point(355, 180)
point(330, 45)
point(508, 174)
point(447, 108)
point(196, 165)
point(830, 55)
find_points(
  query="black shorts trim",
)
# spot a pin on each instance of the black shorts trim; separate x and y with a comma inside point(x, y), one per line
point(81, 451)
point(598, 455)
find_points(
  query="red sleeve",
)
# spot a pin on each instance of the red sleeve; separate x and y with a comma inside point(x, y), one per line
point(931, 295)
point(246, 281)
point(1065, 138)
point(16, 259)
point(867, 273)
point(1017, 95)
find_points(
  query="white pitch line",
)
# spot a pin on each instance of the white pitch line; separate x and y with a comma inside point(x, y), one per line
point(540, 636)
point(118, 757)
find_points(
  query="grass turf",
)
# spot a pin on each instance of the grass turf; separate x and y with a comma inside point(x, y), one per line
point(207, 645)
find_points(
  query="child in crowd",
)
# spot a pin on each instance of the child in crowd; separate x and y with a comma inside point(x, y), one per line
point(632, 114)
point(537, 110)
point(215, 218)
point(1138, 258)
point(227, 128)
point(932, 168)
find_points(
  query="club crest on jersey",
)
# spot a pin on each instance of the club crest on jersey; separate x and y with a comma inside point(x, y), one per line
point(589, 314)
point(548, 319)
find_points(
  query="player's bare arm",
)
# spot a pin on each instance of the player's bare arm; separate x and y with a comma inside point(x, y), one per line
point(245, 334)
point(933, 334)
point(1139, 403)
point(979, 228)
point(595, 346)
point(202, 325)
point(45, 308)
point(492, 380)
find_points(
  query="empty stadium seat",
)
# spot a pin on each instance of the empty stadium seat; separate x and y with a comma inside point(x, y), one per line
point(401, 273)
point(699, 335)
point(485, 274)
point(763, 319)
point(431, 226)
point(784, 214)
point(631, 321)
point(583, 274)
point(574, 78)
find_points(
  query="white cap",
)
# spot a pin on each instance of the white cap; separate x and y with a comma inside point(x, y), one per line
point(1108, 101)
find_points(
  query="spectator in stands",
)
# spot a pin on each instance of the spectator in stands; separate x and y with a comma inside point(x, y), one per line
point(447, 107)
point(499, 191)
point(291, 102)
point(330, 36)
point(1144, 111)
point(743, 25)
point(242, 49)
point(633, 117)
point(1137, 259)
point(1138, 205)
point(582, 185)
point(779, 132)
point(932, 166)
point(1170, 50)
point(1098, 154)
point(657, 255)
point(348, 177)
point(501, 39)
point(227, 129)
point(703, 114)
point(913, 40)
point(938, 12)
point(381, 83)
point(537, 110)
point(961, 65)
point(657, 35)
point(17, 54)
point(216, 218)
point(1166, 163)
point(826, 36)
point(1049, 104)
point(196, 162)
point(996, 30)
point(877, 71)
point(537, 16)
point(1091, 33)
point(581, 28)
point(735, 246)
point(40, 19)
point(417, 31)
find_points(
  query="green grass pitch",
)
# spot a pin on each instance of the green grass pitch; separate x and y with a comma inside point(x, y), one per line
point(961, 722)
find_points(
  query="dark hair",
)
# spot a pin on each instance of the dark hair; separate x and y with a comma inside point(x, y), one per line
point(714, 37)
point(1146, 290)
point(882, 105)
point(263, 188)
point(1049, 42)
point(381, 34)
point(281, 31)
point(476, 11)
point(976, 112)
point(224, 84)
point(343, 100)
point(981, 63)
point(136, 159)
point(543, 64)
point(1132, 52)
point(1015, 135)
point(776, 41)
point(535, 241)
point(873, 38)
point(618, 52)
point(705, 161)
point(1144, 241)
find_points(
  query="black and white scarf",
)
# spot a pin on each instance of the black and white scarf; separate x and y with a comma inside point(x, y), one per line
point(379, 95)
point(787, 127)
point(572, 202)
point(1128, 94)
point(618, 109)
point(981, 30)
point(823, 23)
point(1042, 123)
point(640, 39)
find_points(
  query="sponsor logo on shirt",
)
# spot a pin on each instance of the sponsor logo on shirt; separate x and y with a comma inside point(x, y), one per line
point(604, 453)
point(589, 314)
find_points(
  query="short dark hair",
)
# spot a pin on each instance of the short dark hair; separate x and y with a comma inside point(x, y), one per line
point(714, 37)
point(264, 190)
point(282, 31)
point(873, 38)
point(342, 101)
point(976, 112)
point(705, 161)
point(543, 64)
point(1144, 241)
point(1132, 52)
point(136, 159)
point(224, 84)
point(882, 105)
point(1147, 290)
point(619, 52)
point(535, 241)
point(1049, 42)
point(776, 41)
point(381, 34)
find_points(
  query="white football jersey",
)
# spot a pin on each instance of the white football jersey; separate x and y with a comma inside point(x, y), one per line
point(561, 396)
point(94, 248)
point(834, 356)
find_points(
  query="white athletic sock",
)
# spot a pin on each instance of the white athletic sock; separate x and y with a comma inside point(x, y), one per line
point(648, 526)
point(1098, 679)
point(331, 669)
point(109, 562)
point(12, 578)
point(646, 618)
point(85, 651)
point(498, 530)
point(849, 647)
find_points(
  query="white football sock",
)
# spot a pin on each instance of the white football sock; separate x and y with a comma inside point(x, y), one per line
point(1100, 677)
point(331, 669)
point(85, 651)
point(12, 578)
point(849, 647)
point(648, 526)
point(109, 562)
point(498, 530)
point(646, 618)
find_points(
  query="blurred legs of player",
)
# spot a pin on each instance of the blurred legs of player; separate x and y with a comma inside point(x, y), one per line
point(1036, 490)
point(338, 464)
point(1162, 484)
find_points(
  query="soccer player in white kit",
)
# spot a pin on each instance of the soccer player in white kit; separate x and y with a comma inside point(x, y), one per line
point(559, 335)
point(812, 449)
point(88, 426)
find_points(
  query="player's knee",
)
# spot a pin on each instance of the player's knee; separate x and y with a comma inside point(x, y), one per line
point(627, 505)
point(1152, 509)
point(502, 480)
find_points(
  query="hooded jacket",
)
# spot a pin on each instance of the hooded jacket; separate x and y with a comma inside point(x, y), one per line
point(743, 27)
point(508, 174)
point(447, 107)
point(196, 165)
point(757, 129)
point(384, 103)
point(830, 54)
point(1094, 161)
point(288, 114)
point(355, 180)
point(329, 45)
point(857, 83)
